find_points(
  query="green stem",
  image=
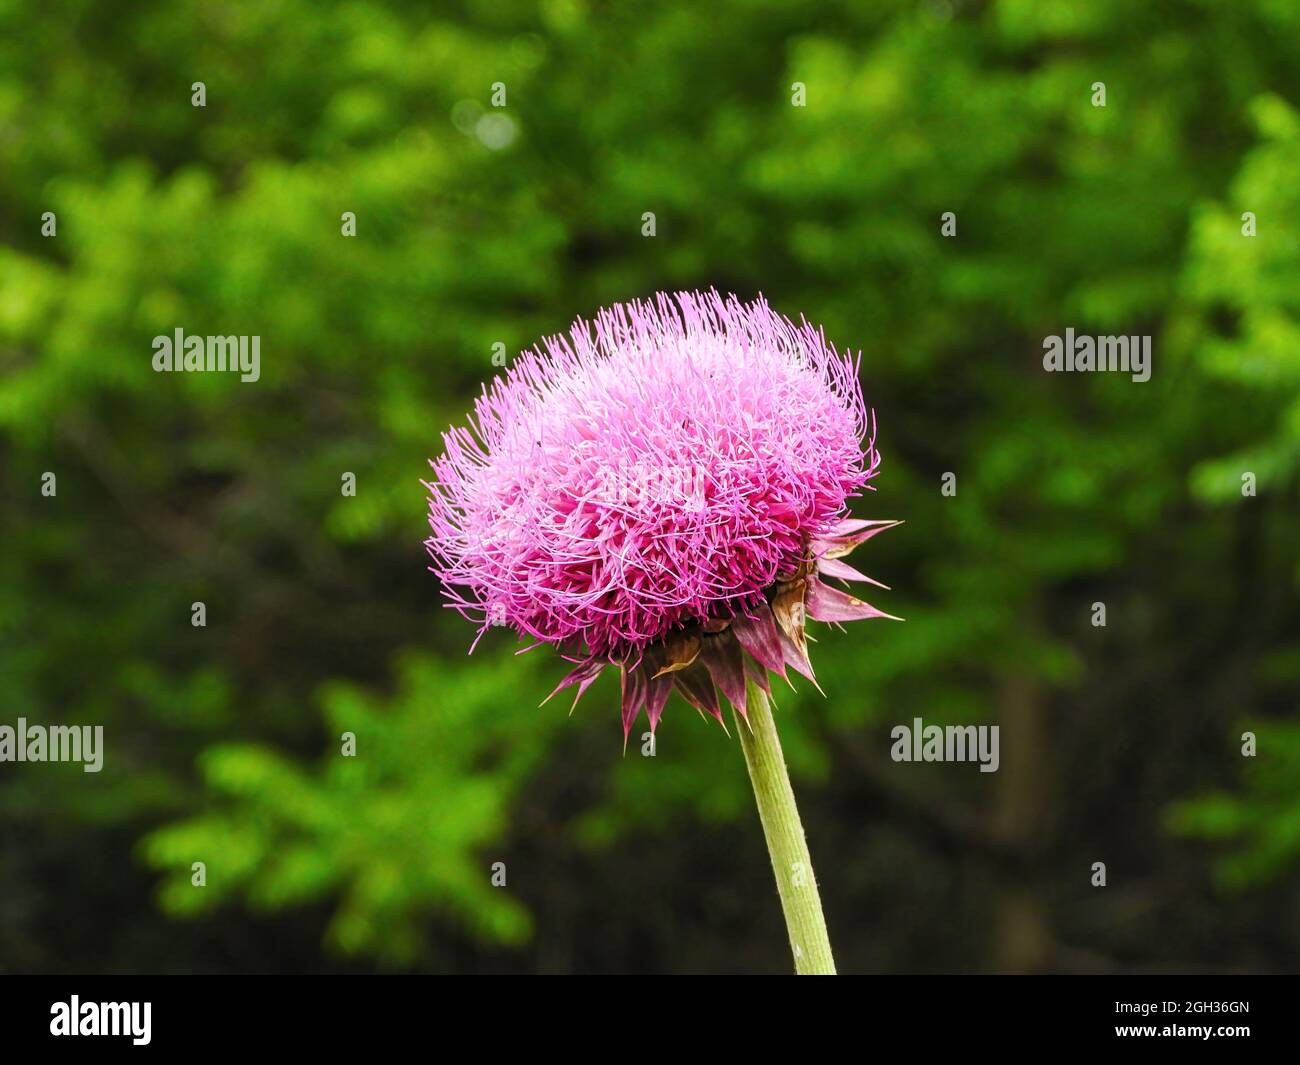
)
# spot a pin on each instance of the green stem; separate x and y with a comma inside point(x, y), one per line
point(785, 839)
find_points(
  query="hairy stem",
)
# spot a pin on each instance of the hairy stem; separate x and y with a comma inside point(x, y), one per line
point(785, 839)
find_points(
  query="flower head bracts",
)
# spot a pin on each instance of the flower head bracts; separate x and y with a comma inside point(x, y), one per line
point(662, 489)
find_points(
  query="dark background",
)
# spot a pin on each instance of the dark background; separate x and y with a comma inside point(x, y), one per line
point(478, 225)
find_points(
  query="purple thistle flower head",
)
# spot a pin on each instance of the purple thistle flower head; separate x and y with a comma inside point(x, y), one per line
point(659, 490)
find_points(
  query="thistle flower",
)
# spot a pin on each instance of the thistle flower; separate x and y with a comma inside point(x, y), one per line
point(662, 491)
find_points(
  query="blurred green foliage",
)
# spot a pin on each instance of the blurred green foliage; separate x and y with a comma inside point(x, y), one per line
point(478, 225)
point(1266, 818)
point(391, 829)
